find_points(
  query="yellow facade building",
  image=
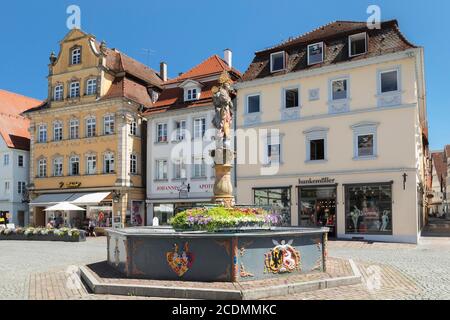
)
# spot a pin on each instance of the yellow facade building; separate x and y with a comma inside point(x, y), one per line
point(87, 139)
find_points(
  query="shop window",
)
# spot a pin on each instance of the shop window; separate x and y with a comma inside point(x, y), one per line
point(277, 61)
point(277, 200)
point(315, 53)
point(164, 212)
point(368, 208)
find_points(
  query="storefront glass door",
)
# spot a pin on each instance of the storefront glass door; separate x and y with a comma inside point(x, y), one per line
point(318, 207)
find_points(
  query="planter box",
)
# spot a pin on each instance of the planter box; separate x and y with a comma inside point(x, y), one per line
point(22, 237)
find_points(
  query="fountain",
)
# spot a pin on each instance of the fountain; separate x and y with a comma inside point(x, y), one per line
point(223, 243)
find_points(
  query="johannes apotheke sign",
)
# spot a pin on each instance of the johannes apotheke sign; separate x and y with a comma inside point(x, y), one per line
point(324, 180)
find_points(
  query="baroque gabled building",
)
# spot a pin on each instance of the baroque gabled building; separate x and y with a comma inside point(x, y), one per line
point(346, 147)
point(14, 157)
point(87, 138)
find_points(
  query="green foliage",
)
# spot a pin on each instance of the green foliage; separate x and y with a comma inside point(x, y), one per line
point(214, 219)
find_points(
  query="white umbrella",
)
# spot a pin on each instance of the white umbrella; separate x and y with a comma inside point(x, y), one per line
point(64, 206)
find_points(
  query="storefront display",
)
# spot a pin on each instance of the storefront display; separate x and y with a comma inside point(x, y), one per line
point(318, 207)
point(137, 213)
point(278, 199)
point(368, 208)
point(101, 215)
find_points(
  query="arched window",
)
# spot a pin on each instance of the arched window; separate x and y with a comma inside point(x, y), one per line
point(58, 93)
point(76, 56)
point(74, 89)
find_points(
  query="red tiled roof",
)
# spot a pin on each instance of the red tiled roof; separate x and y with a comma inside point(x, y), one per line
point(212, 65)
point(386, 40)
point(173, 98)
point(127, 88)
point(13, 126)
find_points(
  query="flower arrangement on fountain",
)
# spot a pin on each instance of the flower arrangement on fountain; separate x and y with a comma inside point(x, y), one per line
point(221, 218)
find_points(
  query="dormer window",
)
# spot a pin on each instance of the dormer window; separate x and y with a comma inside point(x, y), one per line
point(76, 56)
point(277, 62)
point(192, 94)
point(357, 44)
point(315, 53)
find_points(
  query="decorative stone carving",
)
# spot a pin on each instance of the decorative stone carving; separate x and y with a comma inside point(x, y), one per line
point(290, 114)
point(390, 100)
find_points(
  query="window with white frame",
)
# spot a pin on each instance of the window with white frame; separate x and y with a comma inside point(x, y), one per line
point(389, 81)
point(315, 53)
point(58, 93)
point(74, 166)
point(133, 127)
point(21, 187)
point(74, 129)
point(133, 164)
point(316, 144)
point(254, 103)
point(291, 98)
point(192, 94)
point(42, 133)
point(180, 127)
point(91, 127)
point(199, 168)
point(339, 89)
point(161, 170)
point(179, 169)
point(91, 164)
point(42, 168)
point(161, 133)
point(365, 140)
point(74, 89)
point(357, 44)
point(57, 131)
point(277, 61)
point(76, 56)
point(91, 87)
point(20, 161)
point(108, 124)
point(108, 163)
point(6, 159)
point(58, 167)
point(273, 152)
point(199, 128)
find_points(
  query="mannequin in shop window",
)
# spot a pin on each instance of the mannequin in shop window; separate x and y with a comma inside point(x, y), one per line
point(355, 214)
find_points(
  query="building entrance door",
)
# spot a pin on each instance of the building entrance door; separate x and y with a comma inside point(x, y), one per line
point(317, 206)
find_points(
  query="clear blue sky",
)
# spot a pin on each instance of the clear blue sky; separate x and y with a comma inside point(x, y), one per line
point(183, 33)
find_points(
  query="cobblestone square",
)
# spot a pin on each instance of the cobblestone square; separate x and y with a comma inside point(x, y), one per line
point(48, 270)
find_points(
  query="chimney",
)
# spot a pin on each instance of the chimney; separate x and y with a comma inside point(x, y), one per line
point(163, 71)
point(228, 57)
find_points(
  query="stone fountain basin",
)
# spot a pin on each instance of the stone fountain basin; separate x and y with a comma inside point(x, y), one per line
point(163, 253)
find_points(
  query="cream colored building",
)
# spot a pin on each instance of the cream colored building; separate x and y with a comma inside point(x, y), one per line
point(350, 143)
point(87, 139)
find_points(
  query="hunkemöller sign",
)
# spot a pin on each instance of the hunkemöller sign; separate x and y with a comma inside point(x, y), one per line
point(325, 180)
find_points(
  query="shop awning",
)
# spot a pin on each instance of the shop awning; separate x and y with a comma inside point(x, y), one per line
point(78, 199)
